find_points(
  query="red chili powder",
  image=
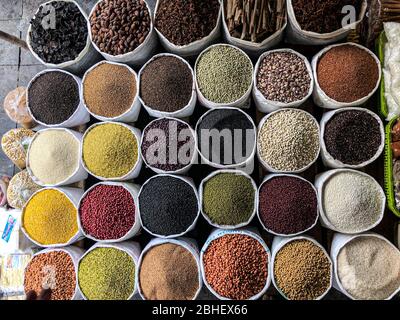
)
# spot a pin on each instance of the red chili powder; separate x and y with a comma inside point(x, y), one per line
point(107, 212)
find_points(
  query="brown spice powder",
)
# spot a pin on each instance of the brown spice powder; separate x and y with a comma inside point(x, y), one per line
point(347, 73)
point(109, 90)
point(169, 272)
point(54, 270)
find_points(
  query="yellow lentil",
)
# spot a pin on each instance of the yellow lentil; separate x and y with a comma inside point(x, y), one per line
point(110, 150)
point(50, 217)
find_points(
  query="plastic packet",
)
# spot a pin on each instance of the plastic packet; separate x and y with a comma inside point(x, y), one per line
point(16, 108)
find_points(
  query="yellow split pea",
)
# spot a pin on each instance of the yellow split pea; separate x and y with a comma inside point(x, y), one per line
point(110, 150)
point(50, 217)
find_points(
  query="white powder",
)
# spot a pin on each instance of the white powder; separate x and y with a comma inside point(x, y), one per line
point(352, 202)
point(369, 268)
point(54, 156)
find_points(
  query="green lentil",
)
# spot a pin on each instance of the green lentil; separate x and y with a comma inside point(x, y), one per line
point(224, 74)
point(107, 274)
point(228, 199)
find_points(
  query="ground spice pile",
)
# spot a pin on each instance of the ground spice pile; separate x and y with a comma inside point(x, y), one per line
point(236, 266)
point(352, 137)
point(54, 156)
point(352, 202)
point(110, 150)
point(228, 199)
point(185, 21)
point(107, 273)
point(289, 140)
point(168, 205)
point(50, 217)
point(226, 136)
point(322, 16)
point(53, 97)
point(224, 74)
point(164, 144)
point(347, 73)
point(287, 205)
point(109, 90)
point(369, 268)
point(283, 77)
point(166, 84)
point(53, 270)
point(107, 212)
point(302, 270)
point(169, 272)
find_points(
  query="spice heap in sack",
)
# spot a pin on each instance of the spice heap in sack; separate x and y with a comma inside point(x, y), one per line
point(352, 137)
point(232, 124)
point(107, 212)
point(347, 73)
point(289, 140)
point(236, 266)
point(54, 156)
point(109, 90)
point(166, 84)
point(168, 205)
point(323, 16)
point(302, 270)
point(228, 199)
point(352, 202)
point(53, 270)
point(224, 74)
point(49, 218)
point(283, 77)
point(253, 20)
point(169, 272)
point(163, 142)
point(107, 273)
point(369, 268)
point(110, 150)
point(20, 189)
point(185, 21)
point(15, 143)
point(119, 27)
point(287, 205)
point(53, 97)
point(64, 40)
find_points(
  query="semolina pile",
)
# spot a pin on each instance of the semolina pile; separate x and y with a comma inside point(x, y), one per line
point(50, 217)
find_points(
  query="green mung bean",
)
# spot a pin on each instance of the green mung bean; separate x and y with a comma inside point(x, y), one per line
point(224, 74)
point(228, 199)
point(107, 274)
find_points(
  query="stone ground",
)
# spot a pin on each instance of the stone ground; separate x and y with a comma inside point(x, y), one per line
point(17, 66)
